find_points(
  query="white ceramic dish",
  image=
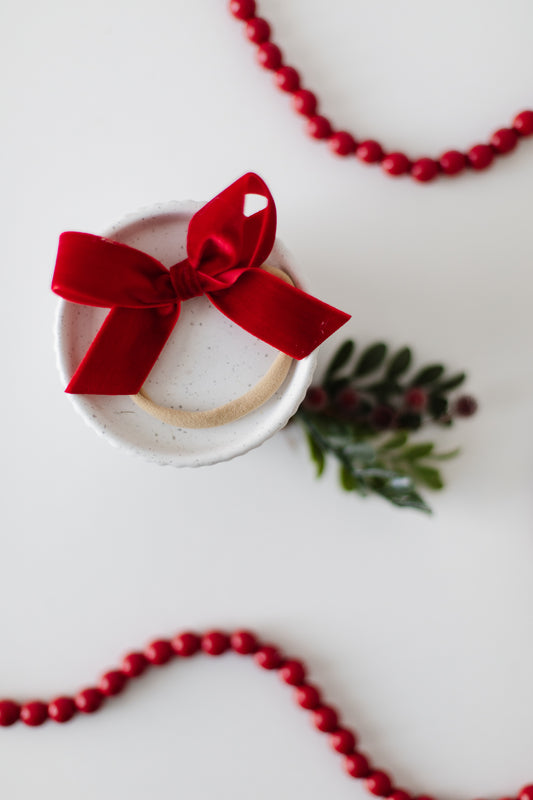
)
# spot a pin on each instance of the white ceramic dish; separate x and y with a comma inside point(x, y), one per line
point(207, 361)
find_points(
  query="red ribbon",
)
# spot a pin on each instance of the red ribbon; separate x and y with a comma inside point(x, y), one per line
point(225, 251)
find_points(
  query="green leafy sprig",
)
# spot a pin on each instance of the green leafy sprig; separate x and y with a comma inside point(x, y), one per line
point(364, 412)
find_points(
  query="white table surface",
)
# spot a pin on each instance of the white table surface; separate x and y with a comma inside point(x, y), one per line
point(418, 628)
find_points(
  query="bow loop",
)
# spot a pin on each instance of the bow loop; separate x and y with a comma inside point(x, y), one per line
point(225, 249)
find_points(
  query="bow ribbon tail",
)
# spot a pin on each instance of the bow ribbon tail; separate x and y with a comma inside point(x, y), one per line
point(124, 351)
point(281, 315)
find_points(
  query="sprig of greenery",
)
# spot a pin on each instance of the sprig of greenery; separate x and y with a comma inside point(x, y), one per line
point(349, 417)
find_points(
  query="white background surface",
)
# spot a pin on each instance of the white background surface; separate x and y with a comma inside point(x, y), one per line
point(420, 629)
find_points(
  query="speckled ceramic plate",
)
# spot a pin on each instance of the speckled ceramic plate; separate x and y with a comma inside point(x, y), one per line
point(207, 361)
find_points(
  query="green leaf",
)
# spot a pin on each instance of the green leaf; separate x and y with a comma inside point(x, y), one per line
point(410, 499)
point(417, 451)
point(347, 479)
point(446, 456)
point(398, 440)
point(429, 476)
point(317, 454)
point(399, 363)
point(371, 359)
point(438, 406)
point(362, 452)
point(340, 358)
point(451, 383)
point(428, 375)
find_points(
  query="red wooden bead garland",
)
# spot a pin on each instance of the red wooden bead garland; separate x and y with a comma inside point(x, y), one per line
point(342, 143)
point(292, 672)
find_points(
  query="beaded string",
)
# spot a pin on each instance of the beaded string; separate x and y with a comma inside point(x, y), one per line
point(343, 143)
point(291, 671)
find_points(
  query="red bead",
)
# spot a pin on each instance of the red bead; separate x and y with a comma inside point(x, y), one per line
point(89, 700)
point(452, 162)
point(399, 794)
point(186, 644)
point(9, 713)
point(293, 673)
point(416, 398)
point(425, 169)
point(257, 30)
point(62, 709)
point(113, 682)
point(523, 123)
point(325, 719)
point(134, 664)
point(305, 102)
point(343, 741)
point(34, 713)
point(307, 697)
point(319, 127)
point(268, 658)
point(242, 9)
point(357, 765)
point(480, 156)
point(215, 643)
point(369, 151)
point(244, 643)
point(342, 143)
point(527, 792)
point(396, 164)
point(287, 79)
point(504, 140)
point(269, 55)
point(159, 652)
point(379, 783)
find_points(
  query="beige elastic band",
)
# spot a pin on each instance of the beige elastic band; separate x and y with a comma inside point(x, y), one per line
point(235, 409)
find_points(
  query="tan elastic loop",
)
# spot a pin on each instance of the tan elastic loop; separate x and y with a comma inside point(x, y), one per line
point(235, 409)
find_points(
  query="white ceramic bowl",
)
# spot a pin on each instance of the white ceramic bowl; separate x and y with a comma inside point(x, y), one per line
point(207, 361)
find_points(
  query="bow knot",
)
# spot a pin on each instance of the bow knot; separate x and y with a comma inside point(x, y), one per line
point(186, 280)
point(145, 297)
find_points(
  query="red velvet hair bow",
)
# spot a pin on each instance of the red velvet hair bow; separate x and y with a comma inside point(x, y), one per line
point(225, 250)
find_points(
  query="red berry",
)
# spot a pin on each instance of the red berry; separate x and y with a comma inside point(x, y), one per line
point(293, 673)
point(325, 719)
point(307, 697)
point(396, 164)
point(504, 140)
point(215, 643)
point(527, 792)
point(357, 765)
point(244, 643)
point(242, 9)
point(343, 741)
point(186, 644)
point(466, 406)
point(347, 399)
point(416, 398)
point(425, 169)
point(379, 783)
point(305, 102)
point(112, 682)
point(399, 794)
point(480, 156)
point(257, 30)
point(382, 417)
point(9, 713)
point(269, 55)
point(523, 123)
point(316, 399)
point(369, 151)
point(319, 127)
point(34, 713)
point(452, 162)
point(134, 664)
point(287, 79)
point(89, 700)
point(342, 143)
point(159, 652)
point(268, 658)
point(62, 709)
